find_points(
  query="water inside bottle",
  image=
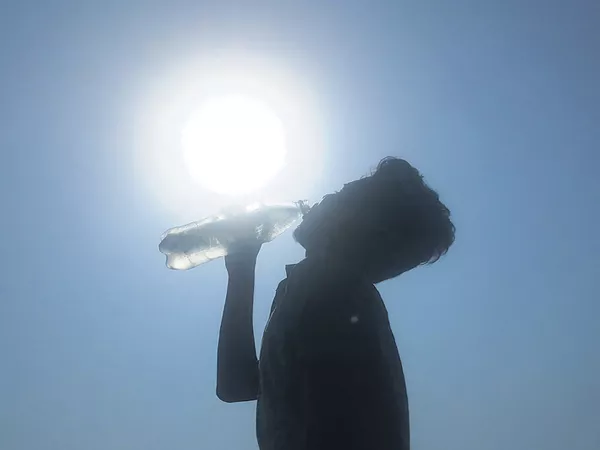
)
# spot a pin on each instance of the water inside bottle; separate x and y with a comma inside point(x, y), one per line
point(190, 245)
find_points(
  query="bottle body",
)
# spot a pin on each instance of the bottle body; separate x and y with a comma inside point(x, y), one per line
point(198, 242)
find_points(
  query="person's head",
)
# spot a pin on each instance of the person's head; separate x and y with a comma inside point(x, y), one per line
point(385, 224)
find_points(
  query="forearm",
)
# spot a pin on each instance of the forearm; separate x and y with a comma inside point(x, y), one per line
point(237, 365)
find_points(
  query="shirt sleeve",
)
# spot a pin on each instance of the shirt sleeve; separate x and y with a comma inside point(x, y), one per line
point(347, 402)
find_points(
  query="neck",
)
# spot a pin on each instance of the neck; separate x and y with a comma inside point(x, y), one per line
point(334, 260)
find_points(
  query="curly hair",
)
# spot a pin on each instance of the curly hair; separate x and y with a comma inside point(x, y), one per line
point(386, 223)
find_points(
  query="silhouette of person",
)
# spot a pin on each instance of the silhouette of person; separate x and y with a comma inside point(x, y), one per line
point(329, 375)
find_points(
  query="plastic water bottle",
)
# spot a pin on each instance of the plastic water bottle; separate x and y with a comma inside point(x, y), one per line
point(198, 242)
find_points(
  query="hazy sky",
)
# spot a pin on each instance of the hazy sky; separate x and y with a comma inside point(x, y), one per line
point(102, 347)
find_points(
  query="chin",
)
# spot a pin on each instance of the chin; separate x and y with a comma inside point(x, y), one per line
point(298, 236)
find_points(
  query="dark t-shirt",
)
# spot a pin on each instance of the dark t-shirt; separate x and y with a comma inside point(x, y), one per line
point(330, 373)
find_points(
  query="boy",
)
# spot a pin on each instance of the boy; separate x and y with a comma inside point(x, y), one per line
point(329, 375)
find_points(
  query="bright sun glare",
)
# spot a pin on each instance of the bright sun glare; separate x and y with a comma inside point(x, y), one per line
point(228, 122)
point(233, 144)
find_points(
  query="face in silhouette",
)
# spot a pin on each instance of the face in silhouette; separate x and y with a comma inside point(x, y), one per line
point(381, 225)
point(328, 218)
point(345, 230)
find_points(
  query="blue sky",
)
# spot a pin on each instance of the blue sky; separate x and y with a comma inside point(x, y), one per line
point(101, 347)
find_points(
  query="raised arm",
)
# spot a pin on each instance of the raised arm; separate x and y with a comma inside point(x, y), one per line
point(237, 365)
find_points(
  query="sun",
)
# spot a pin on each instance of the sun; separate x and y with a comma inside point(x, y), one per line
point(233, 144)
